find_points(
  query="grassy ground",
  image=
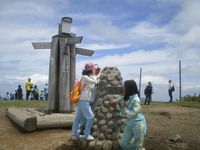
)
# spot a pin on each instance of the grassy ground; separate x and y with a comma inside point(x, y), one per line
point(44, 104)
point(189, 104)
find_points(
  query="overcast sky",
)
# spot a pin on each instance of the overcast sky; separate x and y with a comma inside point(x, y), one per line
point(128, 34)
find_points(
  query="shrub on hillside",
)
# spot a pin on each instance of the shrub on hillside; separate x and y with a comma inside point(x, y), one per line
point(191, 98)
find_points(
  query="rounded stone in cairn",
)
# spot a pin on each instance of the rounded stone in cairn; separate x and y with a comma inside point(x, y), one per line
point(115, 145)
point(102, 122)
point(111, 109)
point(98, 145)
point(108, 136)
point(110, 77)
point(100, 115)
point(96, 109)
point(91, 145)
point(109, 131)
point(84, 144)
point(119, 122)
point(108, 70)
point(99, 101)
point(108, 116)
point(94, 127)
point(107, 145)
point(104, 128)
point(102, 83)
point(103, 109)
point(110, 123)
point(95, 120)
point(106, 97)
point(114, 136)
point(106, 103)
point(117, 107)
point(115, 83)
point(95, 134)
point(101, 137)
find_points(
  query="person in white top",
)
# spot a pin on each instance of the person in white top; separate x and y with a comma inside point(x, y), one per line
point(96, 70)
point(84, 110)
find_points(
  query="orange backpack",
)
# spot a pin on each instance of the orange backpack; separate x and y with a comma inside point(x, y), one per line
point(75, 93)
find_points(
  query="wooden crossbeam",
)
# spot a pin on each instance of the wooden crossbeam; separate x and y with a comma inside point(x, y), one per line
point(41, 45)
point(86, 52)
point(75, 40)
point(80, 51)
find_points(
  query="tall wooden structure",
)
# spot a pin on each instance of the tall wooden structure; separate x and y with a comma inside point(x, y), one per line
point(62, 66)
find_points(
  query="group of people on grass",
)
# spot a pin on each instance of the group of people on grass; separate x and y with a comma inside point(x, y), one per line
point(148, 91)
point(32, 92)
point(135, 126)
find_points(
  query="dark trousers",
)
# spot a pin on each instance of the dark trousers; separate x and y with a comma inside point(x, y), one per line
point(147, 99)
point(170, 95)
point(28, 94)
point(46, 97)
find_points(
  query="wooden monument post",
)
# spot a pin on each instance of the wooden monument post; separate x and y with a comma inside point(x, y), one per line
point(62, 66)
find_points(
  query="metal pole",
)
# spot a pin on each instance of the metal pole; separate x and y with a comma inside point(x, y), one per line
point(179, 80)
point(140, 81)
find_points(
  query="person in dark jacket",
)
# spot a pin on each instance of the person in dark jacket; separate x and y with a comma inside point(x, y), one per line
point(19, 93)
point(35, 93)
point(148, 92)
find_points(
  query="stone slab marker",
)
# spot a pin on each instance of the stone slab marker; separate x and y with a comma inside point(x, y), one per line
point(62, 66)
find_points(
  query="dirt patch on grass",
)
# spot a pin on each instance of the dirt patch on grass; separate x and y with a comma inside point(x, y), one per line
point(164, 121)
point(169, 120)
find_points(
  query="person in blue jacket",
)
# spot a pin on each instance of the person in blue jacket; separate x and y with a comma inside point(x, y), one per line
point(135, 126)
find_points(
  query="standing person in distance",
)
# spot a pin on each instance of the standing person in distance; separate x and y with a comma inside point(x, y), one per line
point(19, 93)
point(28, 87)
point(171, 89)
point(46, 92)
point(41, 95)
point(148, 92)
point(84, 110)
point(35, 93)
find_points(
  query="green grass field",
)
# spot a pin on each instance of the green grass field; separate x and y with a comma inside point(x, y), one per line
point(193, 104)
point(44, 104)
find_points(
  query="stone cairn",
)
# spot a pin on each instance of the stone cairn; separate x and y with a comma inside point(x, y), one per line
point(107, 128)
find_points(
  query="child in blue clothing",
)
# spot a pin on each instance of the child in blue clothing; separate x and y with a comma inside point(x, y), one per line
point(135, 125)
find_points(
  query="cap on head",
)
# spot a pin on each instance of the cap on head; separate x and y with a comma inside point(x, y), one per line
point(95, 66)
point(89, 66)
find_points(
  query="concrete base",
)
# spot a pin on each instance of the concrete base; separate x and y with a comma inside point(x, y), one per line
point(31, 119)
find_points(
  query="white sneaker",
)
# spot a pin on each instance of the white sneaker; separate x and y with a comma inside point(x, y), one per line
point(81, 136)
point(90, 138)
